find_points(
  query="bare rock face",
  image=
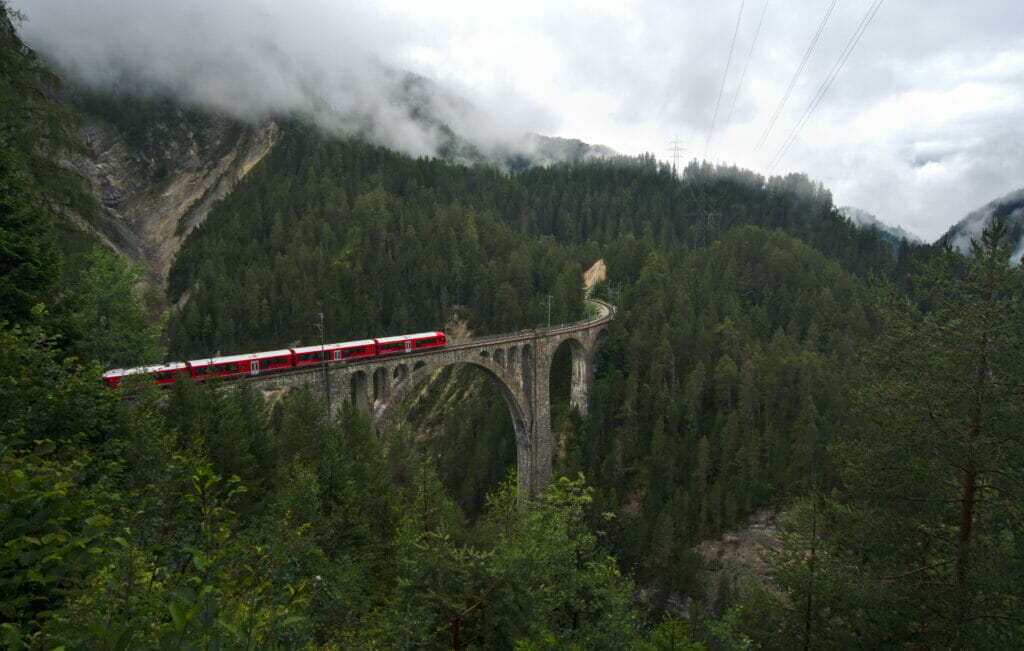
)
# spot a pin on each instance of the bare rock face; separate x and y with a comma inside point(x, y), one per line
point(594, 275)
point(151, 214)
point(743, 546)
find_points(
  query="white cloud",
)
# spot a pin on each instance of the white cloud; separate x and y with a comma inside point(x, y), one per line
point(921, 126)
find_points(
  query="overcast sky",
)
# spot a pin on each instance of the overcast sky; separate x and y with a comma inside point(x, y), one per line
point(920, 125)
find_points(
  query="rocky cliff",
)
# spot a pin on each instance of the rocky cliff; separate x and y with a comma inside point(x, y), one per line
point(157, 187)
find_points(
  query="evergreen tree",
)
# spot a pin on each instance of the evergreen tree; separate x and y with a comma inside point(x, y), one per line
point(110, 322)
point(936, 475)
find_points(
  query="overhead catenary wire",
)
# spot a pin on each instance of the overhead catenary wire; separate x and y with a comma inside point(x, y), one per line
point(796, 76)
point(750, 55)
point(725, 76)
point(837, 67)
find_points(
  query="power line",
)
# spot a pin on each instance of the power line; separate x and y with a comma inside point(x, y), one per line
point(796, 75)
point(869, 15)
point(725, 76)
point(750, 55)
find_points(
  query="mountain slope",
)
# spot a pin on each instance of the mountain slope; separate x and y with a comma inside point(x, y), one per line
point(1010, 207)
point(864, 219)
point(157, 168)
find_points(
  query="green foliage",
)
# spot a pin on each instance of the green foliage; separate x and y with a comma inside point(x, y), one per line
point(817, 591)
point(673, 634)
point(37, 189)
point(536, 578)
point(44, 396)
point(51, 519)
point(108, 320)
point(28, 260)
point(936, 469)
point(31, 124)
point(56, 476)
point(917, 549)
point(719, 390)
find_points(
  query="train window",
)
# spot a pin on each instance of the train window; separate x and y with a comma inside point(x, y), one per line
point(200, 370)
point(356, 350)
point(275, 361)
point(163, 375)
point(309, 357)
point(226, 368)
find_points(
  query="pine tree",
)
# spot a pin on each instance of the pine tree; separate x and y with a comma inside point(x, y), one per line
point(938, 473)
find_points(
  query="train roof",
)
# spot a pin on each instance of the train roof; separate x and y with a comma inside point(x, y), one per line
point(348, 344)
point(418, 335)
point(334, 346)
point(271, 353)
point(139, 370)
point(240, 358)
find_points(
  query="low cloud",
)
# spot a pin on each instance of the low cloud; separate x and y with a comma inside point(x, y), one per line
point(921, 126)
point(341, 67)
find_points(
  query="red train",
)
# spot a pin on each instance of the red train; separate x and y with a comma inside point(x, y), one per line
point(253, 364)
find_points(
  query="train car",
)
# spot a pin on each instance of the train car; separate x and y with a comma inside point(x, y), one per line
point(270, 361)
point(410, 343)
point(235, 366)
point(357, 349)
point(311, 355)
point(161, 375)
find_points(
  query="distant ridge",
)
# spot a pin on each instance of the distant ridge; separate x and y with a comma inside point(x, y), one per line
point(1010, 207)
point(892, 234)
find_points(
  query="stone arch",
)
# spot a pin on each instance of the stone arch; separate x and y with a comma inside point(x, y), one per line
point(359, 391)
point(400, 373)
point(581, 374)
point(525, 452)
point(381, 384)
point(518, 408)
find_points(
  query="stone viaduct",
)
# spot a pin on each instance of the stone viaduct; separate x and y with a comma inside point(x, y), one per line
point(520, 362)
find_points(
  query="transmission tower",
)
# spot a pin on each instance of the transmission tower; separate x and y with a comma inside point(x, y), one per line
point(676, 151)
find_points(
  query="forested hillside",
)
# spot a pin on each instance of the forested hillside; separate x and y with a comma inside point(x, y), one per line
point(766, 352)
point(723, 384)
point(350, 227)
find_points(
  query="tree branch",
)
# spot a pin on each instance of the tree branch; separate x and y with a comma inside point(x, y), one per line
point(915, 571)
